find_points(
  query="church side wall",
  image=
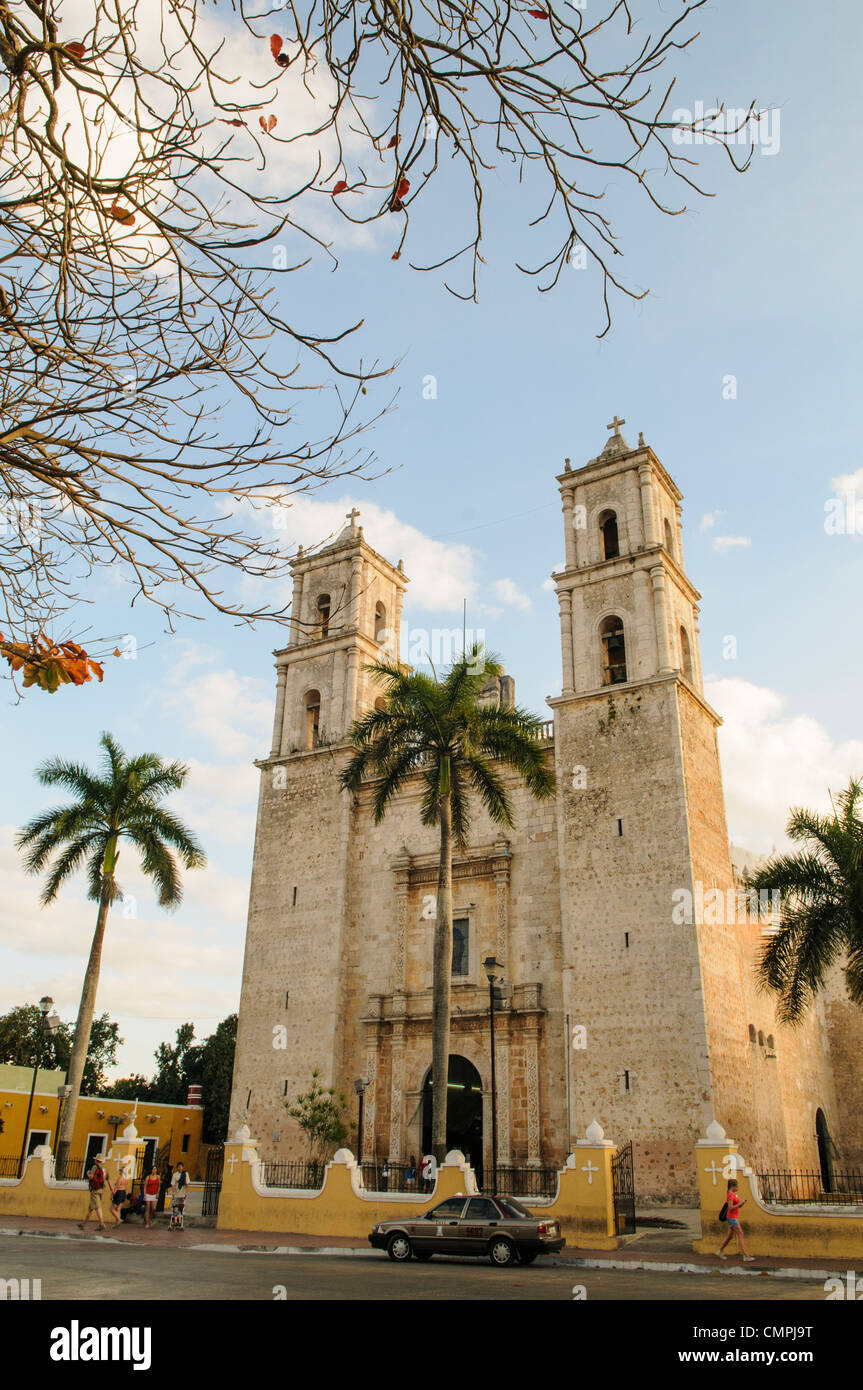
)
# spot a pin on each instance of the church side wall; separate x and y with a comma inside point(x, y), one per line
point(292, 949)
point(640, 1004)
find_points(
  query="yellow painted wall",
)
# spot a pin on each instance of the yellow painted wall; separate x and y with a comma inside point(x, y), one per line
point(583, 1206)
point(794, 1231)
point(173, 1122)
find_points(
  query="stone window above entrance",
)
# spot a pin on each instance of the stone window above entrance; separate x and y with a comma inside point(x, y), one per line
point(461, 947)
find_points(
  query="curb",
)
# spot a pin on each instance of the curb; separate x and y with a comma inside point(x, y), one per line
point(666, 1267)
point(359, 1252)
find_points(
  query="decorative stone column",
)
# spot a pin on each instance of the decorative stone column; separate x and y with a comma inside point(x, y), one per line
point(648, 515)
point(281, 680)
point(568, 531)
point(531, 1067)
point(660, 613)
point(369, 1144)
point(349, 712)
point(397, 1086)
point(501, 1039)
point(402, 867)
point(564, 598)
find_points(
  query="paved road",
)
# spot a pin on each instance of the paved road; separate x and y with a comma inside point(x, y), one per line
point(92, 1270)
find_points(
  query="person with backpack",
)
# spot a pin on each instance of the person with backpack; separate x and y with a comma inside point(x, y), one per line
point(96, 1186)
point(731, 1213)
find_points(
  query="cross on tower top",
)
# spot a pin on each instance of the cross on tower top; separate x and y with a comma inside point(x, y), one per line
point(352, 517)
point(615, 425)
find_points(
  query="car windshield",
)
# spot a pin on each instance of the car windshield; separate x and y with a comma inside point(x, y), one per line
point(452, 1207)
point(510, 1207)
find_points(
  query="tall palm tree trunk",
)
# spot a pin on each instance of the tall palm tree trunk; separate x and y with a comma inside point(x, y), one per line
point(442, 983)
point(83, 1026)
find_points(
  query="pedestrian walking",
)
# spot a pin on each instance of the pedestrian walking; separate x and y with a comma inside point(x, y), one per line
point(118, 1198)
point(732, 1208)
point(152, 1184)
point(411, 1174)
point(96, 1188)
point(179, 1186)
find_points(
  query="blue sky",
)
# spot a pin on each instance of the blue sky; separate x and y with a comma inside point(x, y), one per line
point(760, 282)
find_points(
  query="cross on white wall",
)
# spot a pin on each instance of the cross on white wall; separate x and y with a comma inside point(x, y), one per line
point(589, 1169)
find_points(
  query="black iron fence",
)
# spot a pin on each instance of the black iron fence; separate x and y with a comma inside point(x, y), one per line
point(623, 1190)
point(213, 1181)
point(73, 1168)
point(796, 1187)
point(284, 1173)
point(392, 1177)
point(514, 1181)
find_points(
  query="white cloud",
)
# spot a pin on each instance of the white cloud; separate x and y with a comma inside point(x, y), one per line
point(509, 593)
point(709, 520)
point(730, 542)
point(773, 759)
point(848, 484)
point(442, 575)
point(233, 712)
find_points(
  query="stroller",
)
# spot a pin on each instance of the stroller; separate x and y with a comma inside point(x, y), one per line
point(178, 1206)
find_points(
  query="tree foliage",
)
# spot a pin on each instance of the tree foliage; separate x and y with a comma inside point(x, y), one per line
point(821, 906)
point(320, 1114)
point(165, 165)
point(21, 1031)
point(184, 1063)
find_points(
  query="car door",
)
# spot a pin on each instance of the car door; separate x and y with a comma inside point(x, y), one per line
point(439, 1229)
point(478, 1225)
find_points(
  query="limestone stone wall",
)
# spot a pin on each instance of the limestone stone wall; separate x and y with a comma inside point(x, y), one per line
point(641, 1003)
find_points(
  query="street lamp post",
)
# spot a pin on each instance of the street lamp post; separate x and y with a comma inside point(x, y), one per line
point(493, 969)
point(47, 1028)
point(360, 1087)
point(63, 1094)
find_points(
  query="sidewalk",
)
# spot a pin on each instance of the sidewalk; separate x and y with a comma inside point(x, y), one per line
point(650, 1249)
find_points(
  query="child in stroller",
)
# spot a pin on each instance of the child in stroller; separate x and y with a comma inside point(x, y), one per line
point(179, 1184)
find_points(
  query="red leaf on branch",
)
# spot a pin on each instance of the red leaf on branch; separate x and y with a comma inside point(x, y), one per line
point(393, 141)
point(122, 215)
point(236, 121)
point(272, 122)
point(396, 255)
point(538, 14)
point(276, 45)
point(340, 187)
point(76, 49)
point(397, 205)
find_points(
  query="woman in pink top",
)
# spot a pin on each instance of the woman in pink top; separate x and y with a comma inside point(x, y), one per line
point(733, 1219)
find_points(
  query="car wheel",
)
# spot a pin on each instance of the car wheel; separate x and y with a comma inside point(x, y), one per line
point(423, 1254)
point(501, 1251)
point(399, 1247)
point(528, 1259)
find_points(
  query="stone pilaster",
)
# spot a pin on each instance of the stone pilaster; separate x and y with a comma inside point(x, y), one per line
point(397, 1086)
point(564, 598)
point(281, 680)
point(531, 1066)
point(660, 612)
point(648, 513)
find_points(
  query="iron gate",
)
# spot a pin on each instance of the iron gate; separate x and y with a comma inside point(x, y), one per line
point(213, 1181)
point(623, 1189)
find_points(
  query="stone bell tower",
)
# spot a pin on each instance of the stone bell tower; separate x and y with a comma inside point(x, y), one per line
point(640, 816)
point(346, 613)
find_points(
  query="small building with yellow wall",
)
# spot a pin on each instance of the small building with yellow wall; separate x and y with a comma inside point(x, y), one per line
point(171, 1131)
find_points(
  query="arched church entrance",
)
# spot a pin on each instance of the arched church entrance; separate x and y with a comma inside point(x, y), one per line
point(464, 1110)
point(825, 1150)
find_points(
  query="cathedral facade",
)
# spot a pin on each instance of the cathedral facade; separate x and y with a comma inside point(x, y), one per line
point(627, 956)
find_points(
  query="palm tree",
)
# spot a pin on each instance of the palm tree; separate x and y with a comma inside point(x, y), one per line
point(122, 802)
point(437, 731)
point(821, 915)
